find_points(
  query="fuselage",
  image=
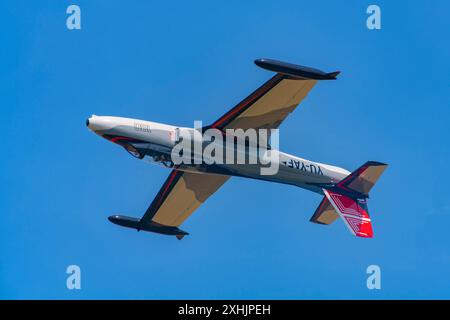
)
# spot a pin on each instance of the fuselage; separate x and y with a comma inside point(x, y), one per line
point(155, 142)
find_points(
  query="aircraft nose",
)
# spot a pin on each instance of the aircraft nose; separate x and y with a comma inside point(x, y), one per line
point(90, 123)
point(97, 123)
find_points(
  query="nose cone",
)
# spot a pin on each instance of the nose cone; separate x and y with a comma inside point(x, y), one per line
point(90, 122)
point(125, 221)
point(113, 219)
point(96, 123)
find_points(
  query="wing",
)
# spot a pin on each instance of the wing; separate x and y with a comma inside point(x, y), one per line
point(270, 104)
point(181, 194)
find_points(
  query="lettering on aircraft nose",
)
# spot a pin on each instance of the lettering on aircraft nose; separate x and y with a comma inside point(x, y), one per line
point(300, 165)
point(142, 127)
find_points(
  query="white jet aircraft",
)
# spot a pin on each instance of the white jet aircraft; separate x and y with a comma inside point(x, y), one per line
point(190, 184)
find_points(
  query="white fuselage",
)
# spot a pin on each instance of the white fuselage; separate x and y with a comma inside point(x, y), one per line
point(156, 141)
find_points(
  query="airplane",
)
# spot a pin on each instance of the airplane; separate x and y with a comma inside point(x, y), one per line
point(345, 193)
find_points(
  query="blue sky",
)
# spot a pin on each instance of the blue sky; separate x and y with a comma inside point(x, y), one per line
point(184, 61)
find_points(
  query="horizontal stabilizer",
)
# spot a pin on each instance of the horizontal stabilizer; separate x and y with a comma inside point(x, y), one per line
point(363, 179)
point(325, 213)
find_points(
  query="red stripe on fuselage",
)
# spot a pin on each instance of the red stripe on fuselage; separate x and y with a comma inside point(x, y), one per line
point(119, 138)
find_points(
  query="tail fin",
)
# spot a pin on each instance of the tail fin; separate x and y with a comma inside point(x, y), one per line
point(349, 200)
point(333, 75)
point(353, 212)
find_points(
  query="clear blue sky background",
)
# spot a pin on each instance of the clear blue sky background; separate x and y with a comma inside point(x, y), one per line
point(181, 61)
